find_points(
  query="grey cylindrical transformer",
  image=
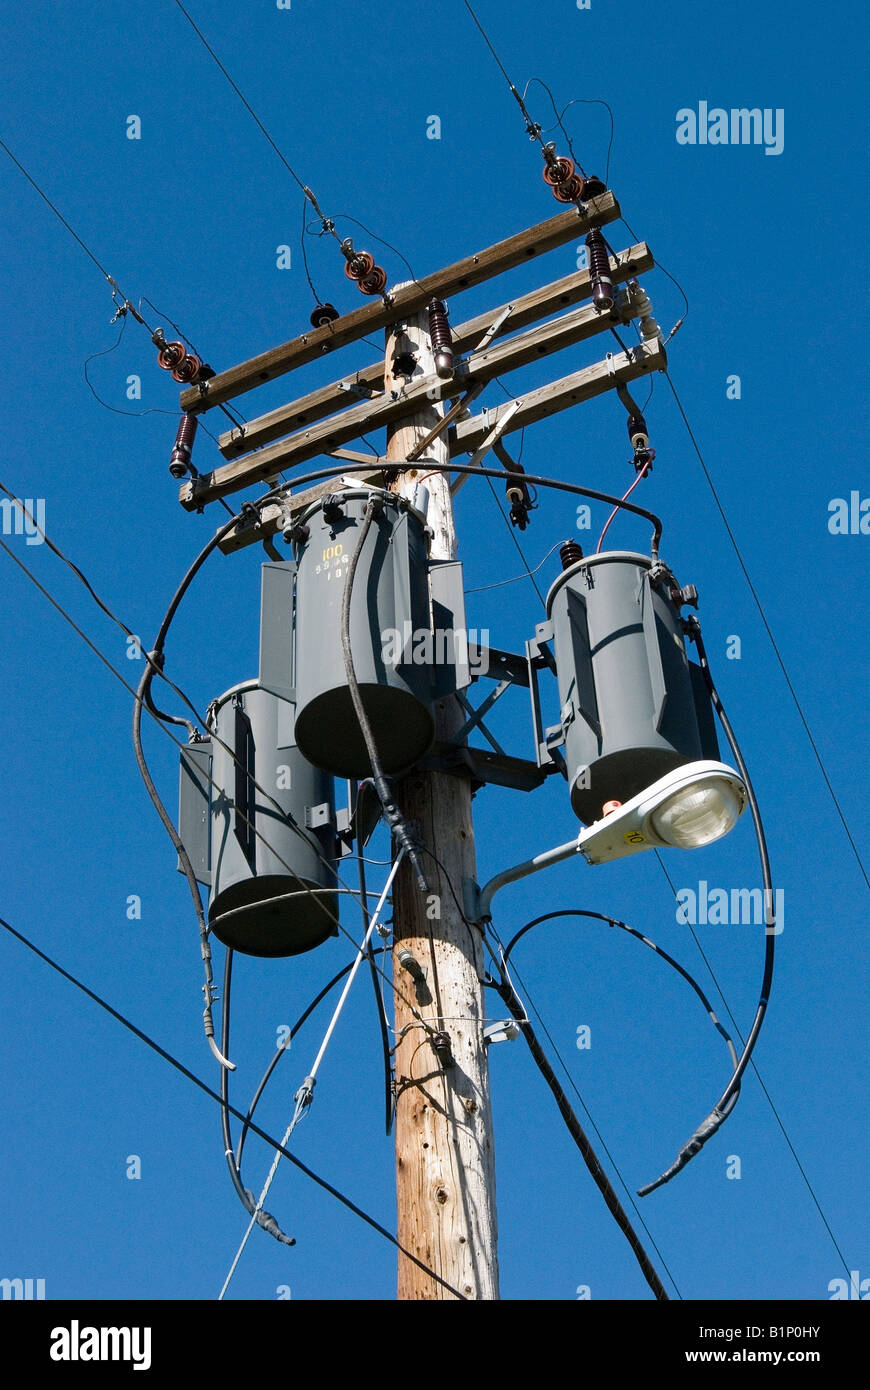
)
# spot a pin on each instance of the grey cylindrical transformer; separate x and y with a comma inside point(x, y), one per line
point(626, 689)
point(271, 894)
point(389, 610)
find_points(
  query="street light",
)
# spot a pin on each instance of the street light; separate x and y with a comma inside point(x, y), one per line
point(691, 806)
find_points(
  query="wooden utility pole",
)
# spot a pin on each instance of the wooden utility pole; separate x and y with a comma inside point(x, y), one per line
point(445, 1161)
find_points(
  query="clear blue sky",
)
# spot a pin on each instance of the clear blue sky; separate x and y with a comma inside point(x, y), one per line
point(192, 215)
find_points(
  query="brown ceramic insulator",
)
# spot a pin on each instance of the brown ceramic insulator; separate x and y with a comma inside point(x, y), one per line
point(570, 190)
point(569, 553)
point(170, 355)
point(187, 370)
point(599, 271)
point(557, 172)
point(323, 314)
point(359, 265)
point(179, 462)
point(441, 337)
point(375, 282)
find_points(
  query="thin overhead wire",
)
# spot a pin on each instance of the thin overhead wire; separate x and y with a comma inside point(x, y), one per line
point(479, 588)
point(345, 217)
point(116, 291)
point(584, 101)
point(754, 1067)
point(104, 352)
point(242, 98)
point(773, 642)
point(121, 309)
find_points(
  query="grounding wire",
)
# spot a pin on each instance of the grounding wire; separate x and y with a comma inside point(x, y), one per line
point(732, 538)
point(209, 1091)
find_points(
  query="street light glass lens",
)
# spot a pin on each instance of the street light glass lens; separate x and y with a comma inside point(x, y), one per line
point(699, 814)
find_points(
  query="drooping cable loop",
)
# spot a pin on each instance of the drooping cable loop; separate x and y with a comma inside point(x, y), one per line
point(725, 1105)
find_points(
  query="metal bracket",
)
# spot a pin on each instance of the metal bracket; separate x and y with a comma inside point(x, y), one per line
point(505, 1031)
point(483, 449)
point(489, 333)
point(482, 767)
point(476, 719)
point(446, 420)
point(354, 388)
point(317, 816)
point(471, 899)
point(538, 655)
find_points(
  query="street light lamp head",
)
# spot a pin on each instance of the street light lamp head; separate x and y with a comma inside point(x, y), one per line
point(691, 806)
point(699, 814)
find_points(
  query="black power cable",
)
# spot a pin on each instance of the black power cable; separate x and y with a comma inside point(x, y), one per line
point(724, 1106)
point(478, 471)
point(246, 1196)
point(392, 814)
point(639, 936)
point(154, 663)
point(578, 1134)
point(207, 1090)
